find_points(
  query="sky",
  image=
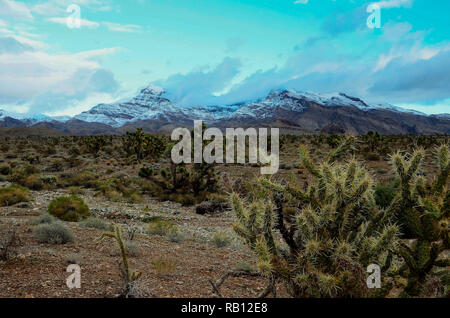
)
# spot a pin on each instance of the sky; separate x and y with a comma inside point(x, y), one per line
point(219, 52)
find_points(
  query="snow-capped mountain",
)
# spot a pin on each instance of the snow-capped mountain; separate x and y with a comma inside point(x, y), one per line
point(150, 104)
point(305, 111)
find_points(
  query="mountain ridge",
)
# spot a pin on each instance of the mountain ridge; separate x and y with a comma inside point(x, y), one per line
point(302, 111)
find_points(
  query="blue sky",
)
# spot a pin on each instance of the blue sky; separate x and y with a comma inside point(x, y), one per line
point(221, 51)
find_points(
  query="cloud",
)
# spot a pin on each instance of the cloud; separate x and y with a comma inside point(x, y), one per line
point(423, 79)
point(15, 10)
point(387, 4)
point(301, 2)
point(34, 81)
point(399, 69)
point(11, 45)
point(116, 27)
point(233, 44)
point(200, 85)
point(83, 22)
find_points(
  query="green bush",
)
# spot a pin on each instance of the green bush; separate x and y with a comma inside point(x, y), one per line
point(95, 223)
point(33, 182)
point(385, 193)
point(146, 172)
point(161, 227)
point(54, 233)
point(221, 239)
point(5, 170)
point(13, 195)
point(71, 209)
point(43, 219)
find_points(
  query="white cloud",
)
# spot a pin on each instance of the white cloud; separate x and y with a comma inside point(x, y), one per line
point(301, 1)
point(15, 10)
point(116, 27)
point(83, 22)
point(386, 4)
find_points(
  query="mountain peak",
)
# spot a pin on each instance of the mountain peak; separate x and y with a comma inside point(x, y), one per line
point(153, 90)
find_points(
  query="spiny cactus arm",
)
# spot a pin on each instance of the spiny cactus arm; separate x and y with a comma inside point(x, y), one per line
point(351, 173)
point(359, 192)
point(341, 150)
point(279, 225)
point(444, 166)
point(436, 249)
point(445, 210)
point(414, 163)
point(267, 229)
point(407, 254)
point(387, 239)
point(294, 192)
point(306, 161)
point(238, 208)
point(399, 166)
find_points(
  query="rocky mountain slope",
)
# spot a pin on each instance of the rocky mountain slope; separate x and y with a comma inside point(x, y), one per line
point(295, 112)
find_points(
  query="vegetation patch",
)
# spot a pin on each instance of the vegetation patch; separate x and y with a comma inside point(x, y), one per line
point(70, 209)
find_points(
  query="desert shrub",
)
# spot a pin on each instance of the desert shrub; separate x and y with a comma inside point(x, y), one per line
point(75, 191)
point(221, 239)
point(43, 219)
point(132, 248)
point(119, 189)
point(19, 175)
point(33, 182)
point(244, 267)
point(49, 150)
point(176, 236)
point(49, 180)
point(9, 241)
point(385, 193)
point(31, 159)
point(54, 233)
point(83, 179)
point(146, 172)
point(5, 170)
point(162, 227)
point(13, 195)
point(95, 223)
point(71, 209)
point(163, 267)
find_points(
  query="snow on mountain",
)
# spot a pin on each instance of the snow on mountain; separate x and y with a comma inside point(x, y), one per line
point(152, 104)
point(32, 119)
point(149, 104)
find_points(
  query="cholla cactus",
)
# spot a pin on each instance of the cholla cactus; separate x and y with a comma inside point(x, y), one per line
point(130, 277)
point(318, 242)
point(422, 208)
